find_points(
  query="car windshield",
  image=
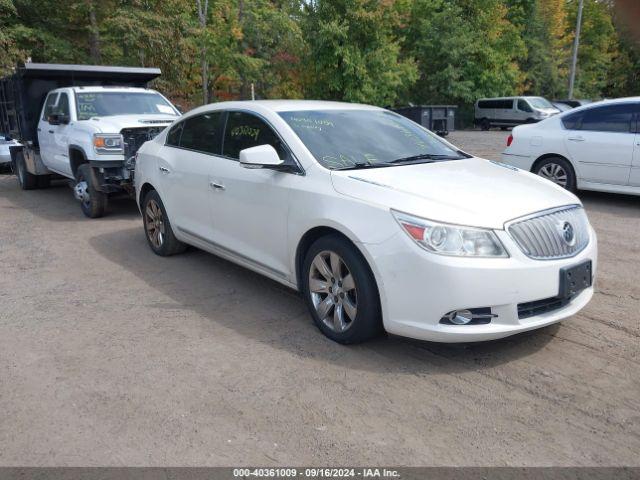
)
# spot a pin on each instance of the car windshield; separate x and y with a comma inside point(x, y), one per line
point(341, 139)
point(539, 102)
point(104, 104)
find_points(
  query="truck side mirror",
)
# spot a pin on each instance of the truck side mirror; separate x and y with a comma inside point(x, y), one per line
point(53, 119)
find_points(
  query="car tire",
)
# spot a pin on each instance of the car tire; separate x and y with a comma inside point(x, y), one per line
point(157, 227)
point(558, 170)
point(26, 180)
point(341, 293)
point(93, 202)
point(485, 124)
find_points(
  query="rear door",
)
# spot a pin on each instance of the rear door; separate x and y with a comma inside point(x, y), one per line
point(601, 142)
point(185, 165)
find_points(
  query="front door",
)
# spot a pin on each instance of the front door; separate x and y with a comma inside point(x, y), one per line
point(45, 131)
point(602, 143)
point(250, 206)
point(634, 177)
point(60, 136)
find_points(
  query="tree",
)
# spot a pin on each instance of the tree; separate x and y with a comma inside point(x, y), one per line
point(465, 49)
point(352, 52)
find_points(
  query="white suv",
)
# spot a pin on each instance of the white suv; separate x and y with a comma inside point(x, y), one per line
point(378, 222)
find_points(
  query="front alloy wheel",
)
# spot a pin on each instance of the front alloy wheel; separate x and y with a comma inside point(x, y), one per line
point(340, 290)
point(333, 291)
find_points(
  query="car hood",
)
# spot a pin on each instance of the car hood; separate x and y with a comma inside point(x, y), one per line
point(115, 123)
point(474, 191)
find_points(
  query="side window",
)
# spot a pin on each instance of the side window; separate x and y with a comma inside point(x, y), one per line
point(245, 130)
point(523, 106)
point(573, 121)
point(484, 104)
point(48, 106)
point(610, 118)
point(506, 104)
point(203, 133)
point(62, 106)
point(173, 137)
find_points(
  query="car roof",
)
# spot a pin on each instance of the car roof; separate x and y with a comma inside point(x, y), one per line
point(113, 88)
point(613, 101)
point(285, 105)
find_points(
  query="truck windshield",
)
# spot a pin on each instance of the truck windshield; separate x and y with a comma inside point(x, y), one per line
point(104, 104)
point(341, 139)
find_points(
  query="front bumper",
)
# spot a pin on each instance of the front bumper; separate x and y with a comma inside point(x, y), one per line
point(417, 288)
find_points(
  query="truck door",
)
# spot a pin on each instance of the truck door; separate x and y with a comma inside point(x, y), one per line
point(45, 137)
point(61, 128)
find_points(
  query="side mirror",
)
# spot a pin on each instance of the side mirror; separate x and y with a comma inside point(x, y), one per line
point(64, 119)
point(262, 156)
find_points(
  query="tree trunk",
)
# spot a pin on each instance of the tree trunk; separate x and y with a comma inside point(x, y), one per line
point(94, 34)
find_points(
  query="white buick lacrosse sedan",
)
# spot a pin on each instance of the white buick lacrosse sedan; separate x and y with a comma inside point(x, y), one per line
point(380, 224)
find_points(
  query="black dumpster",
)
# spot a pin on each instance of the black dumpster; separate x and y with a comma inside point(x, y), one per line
point(437, 118)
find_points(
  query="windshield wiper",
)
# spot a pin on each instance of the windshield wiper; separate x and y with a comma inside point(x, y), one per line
point(430, 157)
point(362, 165)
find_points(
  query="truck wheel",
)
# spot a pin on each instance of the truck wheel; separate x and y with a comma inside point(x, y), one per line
point(157, 227)
point(26, 180)
point(485, 124)
point(92, 201)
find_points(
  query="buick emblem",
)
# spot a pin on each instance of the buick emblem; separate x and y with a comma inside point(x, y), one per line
point(568, 234)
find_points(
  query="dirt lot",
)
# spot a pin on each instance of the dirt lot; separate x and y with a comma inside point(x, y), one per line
point(110, 355)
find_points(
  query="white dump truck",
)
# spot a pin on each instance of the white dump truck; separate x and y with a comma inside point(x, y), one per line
point(82, 122)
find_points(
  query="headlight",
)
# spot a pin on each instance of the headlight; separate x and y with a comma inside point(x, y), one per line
point(108, 143)
point(445, 239)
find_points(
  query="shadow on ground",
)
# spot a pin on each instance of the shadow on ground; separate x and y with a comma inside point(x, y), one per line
point(264, 311)
point(57, 202)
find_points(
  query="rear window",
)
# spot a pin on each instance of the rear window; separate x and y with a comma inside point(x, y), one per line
point(609, 118)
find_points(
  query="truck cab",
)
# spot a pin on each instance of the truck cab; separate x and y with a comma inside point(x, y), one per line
point(87, 126)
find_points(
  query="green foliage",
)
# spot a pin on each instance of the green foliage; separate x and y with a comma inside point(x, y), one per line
point(352, 52)
point(374, 51)
point(465, 50)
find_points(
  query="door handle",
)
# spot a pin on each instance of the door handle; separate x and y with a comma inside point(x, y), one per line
point(216, 186)
point(164, 170)
point(576, 139)
point(50, 131)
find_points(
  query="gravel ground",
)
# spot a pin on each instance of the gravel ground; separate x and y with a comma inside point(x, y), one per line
point(110, 355)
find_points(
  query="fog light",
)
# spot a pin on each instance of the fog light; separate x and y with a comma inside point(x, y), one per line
point(473, 316)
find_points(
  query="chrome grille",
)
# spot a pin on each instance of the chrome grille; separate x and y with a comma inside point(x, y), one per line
point(547, 235)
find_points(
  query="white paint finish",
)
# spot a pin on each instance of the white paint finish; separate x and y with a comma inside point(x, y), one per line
point(258, 219)
point(603, 161)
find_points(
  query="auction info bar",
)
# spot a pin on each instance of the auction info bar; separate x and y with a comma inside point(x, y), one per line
point(284, 473)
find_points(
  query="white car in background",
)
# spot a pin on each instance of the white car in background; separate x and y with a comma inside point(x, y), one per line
point(5, 143)
point(378, 222)
point(594, 147)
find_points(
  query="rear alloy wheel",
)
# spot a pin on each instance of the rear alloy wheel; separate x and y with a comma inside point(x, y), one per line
point(158, 228)
point(340, 291)
point(559, 171)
